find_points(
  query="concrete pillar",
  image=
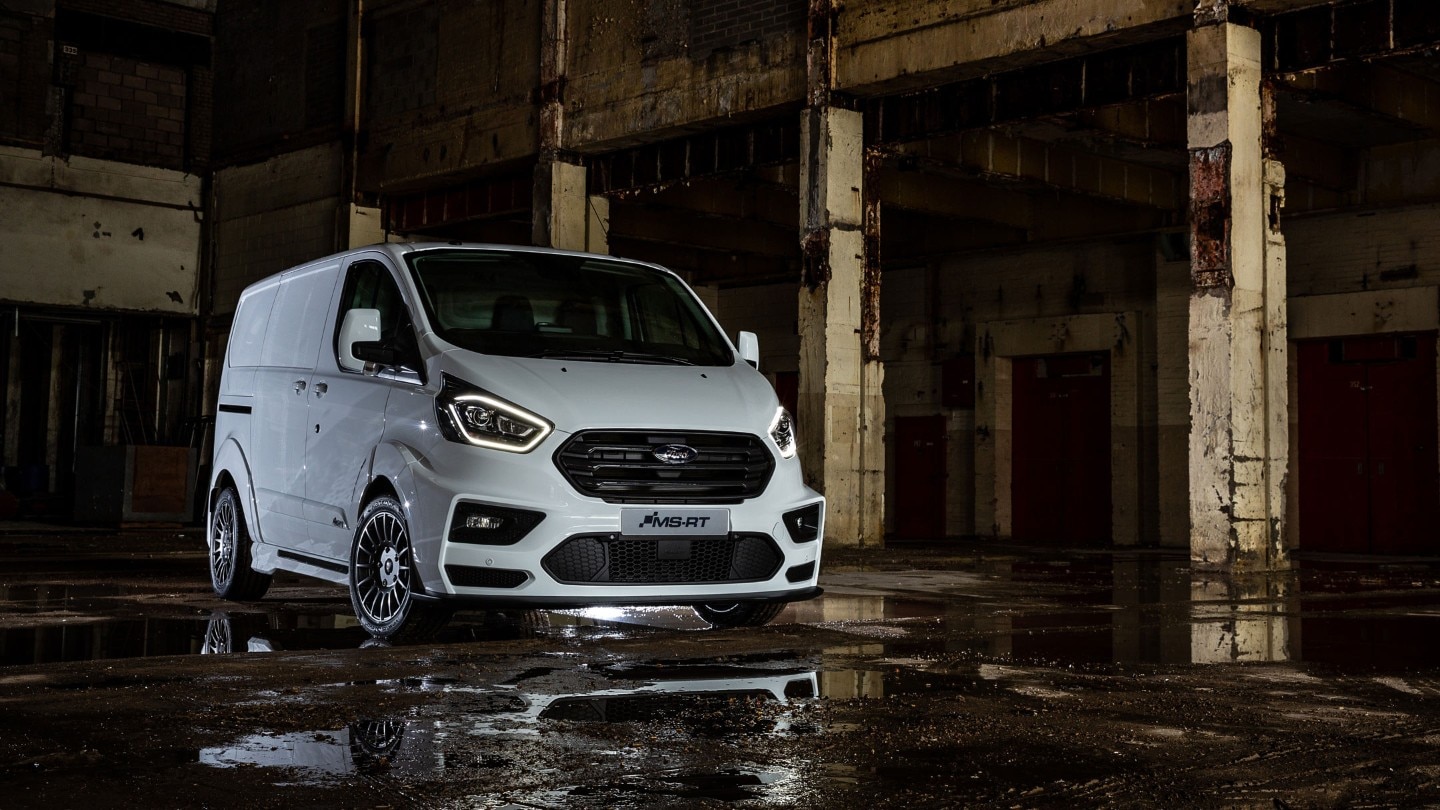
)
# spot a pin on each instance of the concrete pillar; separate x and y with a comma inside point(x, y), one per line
point(842, 410)
point(1239, 445)
point(560, 211)
point(562, 215)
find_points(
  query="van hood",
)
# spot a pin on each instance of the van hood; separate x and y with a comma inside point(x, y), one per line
point(579, 395)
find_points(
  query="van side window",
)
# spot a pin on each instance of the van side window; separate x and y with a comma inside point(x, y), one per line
point(369, 285)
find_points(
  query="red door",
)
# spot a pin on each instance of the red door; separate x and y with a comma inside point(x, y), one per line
point(1369, 476)
point(920, 476)
point(1060, 480)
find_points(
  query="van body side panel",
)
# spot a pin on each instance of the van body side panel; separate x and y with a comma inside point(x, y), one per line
point(347, 418)
point(282, 399)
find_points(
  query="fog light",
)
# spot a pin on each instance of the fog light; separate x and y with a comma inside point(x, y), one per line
point(485, 522)
point(804, 524)
point(491, 525)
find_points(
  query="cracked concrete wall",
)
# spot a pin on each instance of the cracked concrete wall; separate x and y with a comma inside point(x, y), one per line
point(98, 234)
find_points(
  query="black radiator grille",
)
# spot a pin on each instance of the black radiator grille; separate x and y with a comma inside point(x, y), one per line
point(604, 559)
point(620, 466)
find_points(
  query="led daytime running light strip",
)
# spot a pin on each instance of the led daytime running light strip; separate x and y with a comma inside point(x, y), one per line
point(500, 409)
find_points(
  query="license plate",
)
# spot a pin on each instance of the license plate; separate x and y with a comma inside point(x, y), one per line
point(708, 522)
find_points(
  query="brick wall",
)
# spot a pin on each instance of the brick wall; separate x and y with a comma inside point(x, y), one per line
point(1355, 252)
point(24, 77)
point(402, 64)
point(716, 24)
point(288, 94)
point(129, 111)
point(158, 13)
point(134, 80)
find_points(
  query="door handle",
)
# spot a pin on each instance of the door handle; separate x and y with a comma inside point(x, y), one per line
point(320, 389)
point(299, 386)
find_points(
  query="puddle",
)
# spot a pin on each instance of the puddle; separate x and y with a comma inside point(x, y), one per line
point(622, 728)
point(1097, 610)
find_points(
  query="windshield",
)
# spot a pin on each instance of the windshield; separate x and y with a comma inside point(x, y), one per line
point(565, 307)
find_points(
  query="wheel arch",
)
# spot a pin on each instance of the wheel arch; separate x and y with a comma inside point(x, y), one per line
point(231, 468)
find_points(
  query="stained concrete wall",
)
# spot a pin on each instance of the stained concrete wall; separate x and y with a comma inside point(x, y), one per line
point(276, 214)
point(885, 43)
point(768, 311)
point(98, 234)
point(676, 64)
point(450, 88)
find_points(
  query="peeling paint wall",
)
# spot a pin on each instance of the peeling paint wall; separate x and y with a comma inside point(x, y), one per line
point(97, 234)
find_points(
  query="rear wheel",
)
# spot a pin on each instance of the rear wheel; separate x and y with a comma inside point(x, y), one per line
point(229, 540)
point(740, 614)
point(383, 578)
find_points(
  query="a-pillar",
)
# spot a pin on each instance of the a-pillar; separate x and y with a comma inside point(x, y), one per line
point(1239, 444)
point(842, 411)
point(564, 216)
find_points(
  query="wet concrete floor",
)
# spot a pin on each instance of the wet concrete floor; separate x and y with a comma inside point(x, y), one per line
point(972, 675)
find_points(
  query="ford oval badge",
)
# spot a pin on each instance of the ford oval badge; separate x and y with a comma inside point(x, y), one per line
point(675, 453)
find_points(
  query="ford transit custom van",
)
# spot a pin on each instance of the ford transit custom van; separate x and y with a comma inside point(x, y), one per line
point(439, 426)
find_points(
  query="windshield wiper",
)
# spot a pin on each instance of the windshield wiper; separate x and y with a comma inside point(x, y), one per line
point(614, 356)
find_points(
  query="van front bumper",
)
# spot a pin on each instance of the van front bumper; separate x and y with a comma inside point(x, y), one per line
point(517, 573)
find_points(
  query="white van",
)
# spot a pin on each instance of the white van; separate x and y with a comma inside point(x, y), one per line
point(452, 425)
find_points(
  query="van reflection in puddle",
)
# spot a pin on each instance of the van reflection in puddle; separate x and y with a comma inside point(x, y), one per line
point(455, 715)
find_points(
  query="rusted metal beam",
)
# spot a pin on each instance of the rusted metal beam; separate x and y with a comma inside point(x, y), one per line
point(482, 198)
point(728, 150)
point(1136, 73)
point(1356, 29)
point(870, 282)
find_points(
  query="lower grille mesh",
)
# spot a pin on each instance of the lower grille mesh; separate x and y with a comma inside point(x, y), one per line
point(607, 559)
point(469, 576)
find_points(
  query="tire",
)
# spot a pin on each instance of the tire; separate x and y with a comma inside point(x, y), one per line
point(218, 637)
point(229, 541)
point(383, 578)
point(740, 614)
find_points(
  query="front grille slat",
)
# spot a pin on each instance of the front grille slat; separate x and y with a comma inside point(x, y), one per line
point(620, 466)
point(602, 559)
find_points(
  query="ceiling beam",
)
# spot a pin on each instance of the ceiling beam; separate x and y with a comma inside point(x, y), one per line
point(675, 226)
point(1351, 30)
point(1396, 95)
point(1090, 81)
point(1322, 164)
point(1000, 156)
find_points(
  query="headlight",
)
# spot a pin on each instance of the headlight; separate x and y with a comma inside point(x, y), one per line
point(472, 416)
point(782, 430)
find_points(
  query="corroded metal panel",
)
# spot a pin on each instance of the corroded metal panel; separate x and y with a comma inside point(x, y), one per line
point(1210, 216)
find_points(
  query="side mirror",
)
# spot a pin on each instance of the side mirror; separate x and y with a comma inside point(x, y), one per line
point(360, 326)
point(750, 349)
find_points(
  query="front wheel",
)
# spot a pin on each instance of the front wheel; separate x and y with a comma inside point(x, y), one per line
point(740, 614)
point(383, 577)
point(229, 541)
